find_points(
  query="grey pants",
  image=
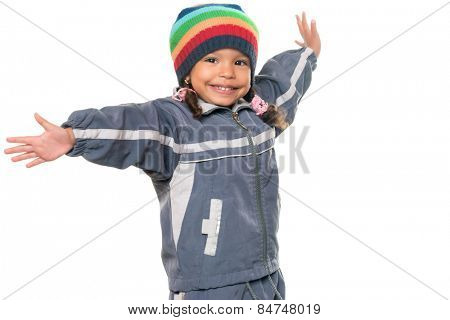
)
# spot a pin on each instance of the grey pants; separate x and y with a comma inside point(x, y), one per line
point(260, 289)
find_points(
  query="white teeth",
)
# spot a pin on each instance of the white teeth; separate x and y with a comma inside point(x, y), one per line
point(223, 88)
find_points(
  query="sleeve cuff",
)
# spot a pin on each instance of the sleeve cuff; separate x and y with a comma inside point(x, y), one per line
point(80, 144)
point(312, 58)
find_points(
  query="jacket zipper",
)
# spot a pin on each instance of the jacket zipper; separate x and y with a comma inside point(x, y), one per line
point(258, 187)
point(235, 117)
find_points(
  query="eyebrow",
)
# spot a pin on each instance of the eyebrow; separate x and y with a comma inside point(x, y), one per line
point(237, 57)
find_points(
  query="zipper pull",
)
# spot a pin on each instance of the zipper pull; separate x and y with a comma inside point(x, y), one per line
point(235, 116)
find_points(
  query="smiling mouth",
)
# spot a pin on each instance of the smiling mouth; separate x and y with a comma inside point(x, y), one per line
point(224, 90)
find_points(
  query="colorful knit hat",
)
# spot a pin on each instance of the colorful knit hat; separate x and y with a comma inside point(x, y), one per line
point(206, 28)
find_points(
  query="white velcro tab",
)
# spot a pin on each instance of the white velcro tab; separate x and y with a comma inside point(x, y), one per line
point(178, 296)
point(211, 227)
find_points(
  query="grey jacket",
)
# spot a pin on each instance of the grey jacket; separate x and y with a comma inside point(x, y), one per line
point(216, 178)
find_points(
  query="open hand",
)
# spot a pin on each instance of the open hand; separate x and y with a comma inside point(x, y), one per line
point(310, 35)
point(50, 145)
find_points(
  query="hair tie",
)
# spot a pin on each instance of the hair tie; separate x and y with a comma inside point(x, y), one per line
point(180, 95)
point(259, 105)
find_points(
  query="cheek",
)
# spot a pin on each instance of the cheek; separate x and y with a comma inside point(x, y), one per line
point(248, 80)
point(201, 76)
point(246, 74)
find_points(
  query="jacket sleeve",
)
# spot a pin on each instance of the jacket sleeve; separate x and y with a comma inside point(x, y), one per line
point(141, 135)
point(284, 79)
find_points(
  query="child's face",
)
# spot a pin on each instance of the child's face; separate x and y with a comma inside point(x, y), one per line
point(228, 68)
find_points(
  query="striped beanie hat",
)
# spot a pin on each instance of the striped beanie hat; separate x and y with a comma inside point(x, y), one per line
point(206, 28)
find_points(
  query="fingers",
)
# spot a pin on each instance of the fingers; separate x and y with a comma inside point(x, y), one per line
point(26, 139)
point(44, 123)
point(301, 44)
point(35, 162)
point(303, 27)
point(314, 27)
point(299, 24)
point(22, 148)
point(24, 156)
point(305, 24)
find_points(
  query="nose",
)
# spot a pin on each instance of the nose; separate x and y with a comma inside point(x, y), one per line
point(226, 70)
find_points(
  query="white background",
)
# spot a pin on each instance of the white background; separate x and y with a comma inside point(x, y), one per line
point(367, 237)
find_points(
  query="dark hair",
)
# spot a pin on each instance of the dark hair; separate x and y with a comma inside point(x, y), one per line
point(274, 116)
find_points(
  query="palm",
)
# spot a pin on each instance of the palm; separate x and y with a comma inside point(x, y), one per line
point(50, 145)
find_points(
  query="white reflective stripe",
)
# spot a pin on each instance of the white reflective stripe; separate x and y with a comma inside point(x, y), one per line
point(178, 296)
point(215, 144)
point(234, 143)
point(264, 136)
point(228, 156)
point(295, 76)
point(168, 141)
point(180, 192)
point(127, 135)
point(211, 227)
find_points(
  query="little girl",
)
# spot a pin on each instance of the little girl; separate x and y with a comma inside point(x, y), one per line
point(208, 150)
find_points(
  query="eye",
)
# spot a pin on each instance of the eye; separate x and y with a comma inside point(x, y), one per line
point(210, 59)
point(244, 62)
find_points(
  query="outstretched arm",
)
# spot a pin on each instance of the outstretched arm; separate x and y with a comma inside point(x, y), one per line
point(141, 135)
point(50, 145)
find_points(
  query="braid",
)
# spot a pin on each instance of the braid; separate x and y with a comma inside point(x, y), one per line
point(192, 101)
point(274, 116)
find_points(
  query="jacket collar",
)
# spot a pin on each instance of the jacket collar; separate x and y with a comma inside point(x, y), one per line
point(207, 108)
